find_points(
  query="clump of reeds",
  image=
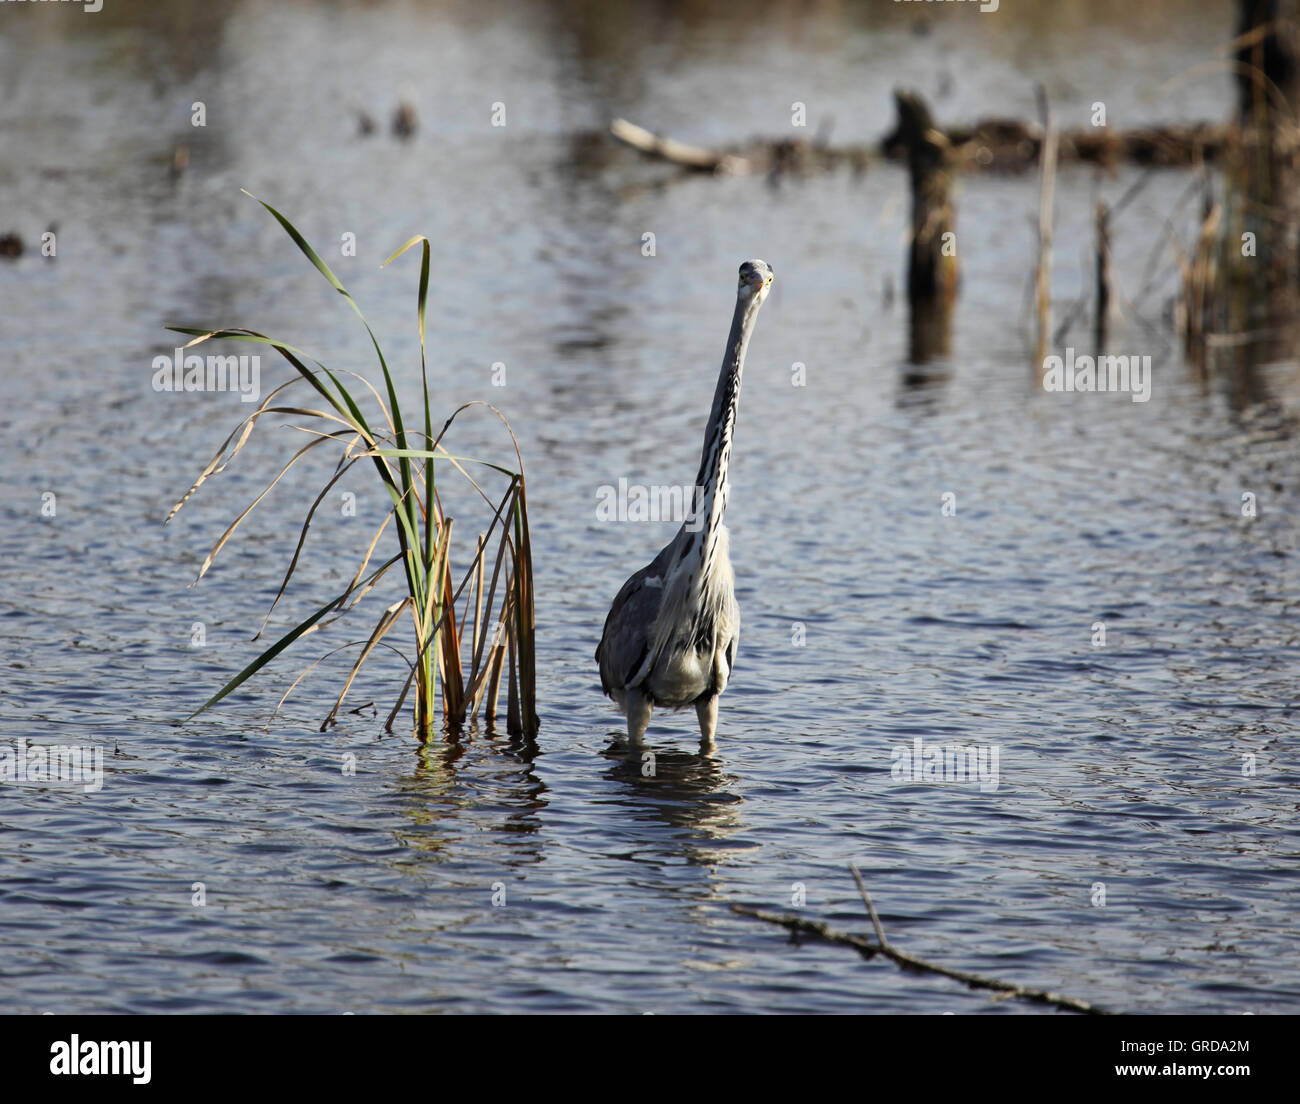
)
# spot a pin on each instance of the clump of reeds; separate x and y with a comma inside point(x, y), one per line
point(493, 638)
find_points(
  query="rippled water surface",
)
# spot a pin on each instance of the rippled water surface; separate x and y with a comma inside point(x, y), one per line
point(871, 619)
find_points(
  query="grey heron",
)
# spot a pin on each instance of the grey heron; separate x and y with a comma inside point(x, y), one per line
point(670, 637)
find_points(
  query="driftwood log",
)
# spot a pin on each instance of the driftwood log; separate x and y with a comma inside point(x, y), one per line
point(993, 144)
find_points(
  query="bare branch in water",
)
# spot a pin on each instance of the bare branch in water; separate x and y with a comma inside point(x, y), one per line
point(797, 925)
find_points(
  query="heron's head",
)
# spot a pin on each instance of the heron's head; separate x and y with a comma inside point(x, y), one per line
point(755, 281)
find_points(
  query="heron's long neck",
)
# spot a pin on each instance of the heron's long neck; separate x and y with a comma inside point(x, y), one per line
point(711, 483)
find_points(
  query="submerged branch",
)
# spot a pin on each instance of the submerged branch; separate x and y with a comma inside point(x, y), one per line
point(797, 925)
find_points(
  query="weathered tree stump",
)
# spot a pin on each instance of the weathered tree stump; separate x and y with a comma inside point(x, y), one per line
point(932, 268)
point(932, 253)
point(1268, 83)
point(1253, 294)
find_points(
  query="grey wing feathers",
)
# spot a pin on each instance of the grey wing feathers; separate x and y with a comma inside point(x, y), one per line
point(626, 638)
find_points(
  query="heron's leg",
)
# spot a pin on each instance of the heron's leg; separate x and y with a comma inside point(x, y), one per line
point(638, 717)
point(707, 711)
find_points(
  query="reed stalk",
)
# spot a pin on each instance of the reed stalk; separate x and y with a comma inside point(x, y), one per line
point(450, 661)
